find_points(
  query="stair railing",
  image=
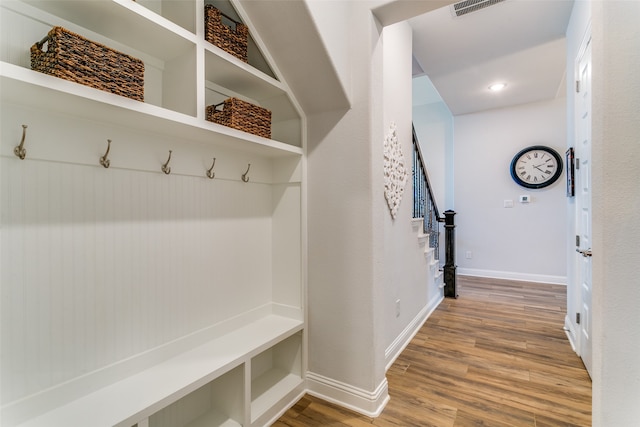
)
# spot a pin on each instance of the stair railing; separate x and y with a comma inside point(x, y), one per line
point(425, 207)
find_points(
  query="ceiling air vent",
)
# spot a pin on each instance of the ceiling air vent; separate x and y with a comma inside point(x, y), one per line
point(468, 6)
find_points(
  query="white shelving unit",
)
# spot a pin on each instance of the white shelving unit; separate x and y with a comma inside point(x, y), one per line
point(246, 366)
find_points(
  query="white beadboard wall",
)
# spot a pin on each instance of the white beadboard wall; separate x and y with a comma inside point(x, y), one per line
point(100, 265)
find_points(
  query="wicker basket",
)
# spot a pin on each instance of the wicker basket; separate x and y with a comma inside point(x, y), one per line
point(241, 115)
point(233, 41)
point(72, 57)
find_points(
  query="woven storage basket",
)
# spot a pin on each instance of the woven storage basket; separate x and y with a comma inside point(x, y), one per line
point(73, 57)
point(241, 115)
point(233, 41)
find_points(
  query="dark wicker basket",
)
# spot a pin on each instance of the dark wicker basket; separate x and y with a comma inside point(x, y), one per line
point(72, 57)
point(233, 41)
point(241, 115)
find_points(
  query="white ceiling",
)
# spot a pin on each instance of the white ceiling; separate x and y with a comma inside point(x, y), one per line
point(519, 42)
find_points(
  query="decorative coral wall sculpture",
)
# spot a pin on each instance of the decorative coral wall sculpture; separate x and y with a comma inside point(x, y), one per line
point(395, 173)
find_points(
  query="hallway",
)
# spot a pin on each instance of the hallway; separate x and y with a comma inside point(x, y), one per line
point(496, 356)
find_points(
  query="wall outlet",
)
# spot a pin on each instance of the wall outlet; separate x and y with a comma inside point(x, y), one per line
point(508, 203)
point(468, 255)
point(525, 198)
point(398, 308)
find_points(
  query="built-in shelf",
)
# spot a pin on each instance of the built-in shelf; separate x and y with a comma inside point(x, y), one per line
point(239, 367)
point(141, 395)
point(27, 87)
point(174, 66)
point(125, 22)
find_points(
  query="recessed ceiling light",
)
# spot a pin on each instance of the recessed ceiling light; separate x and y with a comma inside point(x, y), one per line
point(496, 87)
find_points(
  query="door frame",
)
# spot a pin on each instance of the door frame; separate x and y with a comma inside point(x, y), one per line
point(574, 294)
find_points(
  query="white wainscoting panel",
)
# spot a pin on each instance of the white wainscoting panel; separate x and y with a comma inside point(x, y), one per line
point(99, 265)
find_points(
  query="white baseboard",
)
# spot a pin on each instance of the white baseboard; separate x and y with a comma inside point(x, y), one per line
point(364, 402)
point(571, 334)
point(509, 275)
point(400, 343)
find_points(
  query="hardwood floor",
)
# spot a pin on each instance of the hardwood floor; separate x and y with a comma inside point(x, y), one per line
point(496, 356)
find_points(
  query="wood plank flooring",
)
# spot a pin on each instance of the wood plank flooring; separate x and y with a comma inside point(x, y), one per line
point(496, 356)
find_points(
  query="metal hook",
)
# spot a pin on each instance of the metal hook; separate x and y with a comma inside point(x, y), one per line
point(104, 161)
point(165, 168)
point(245, 178)
point(19, 150)
point(210, 173)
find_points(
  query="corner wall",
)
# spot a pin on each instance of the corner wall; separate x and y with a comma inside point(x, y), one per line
point(410, 293)
point(616, 213)
point(346, 350)
point(360, 260)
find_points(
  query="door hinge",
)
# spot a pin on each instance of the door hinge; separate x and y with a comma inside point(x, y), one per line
point(577, 318)
point(577, 86)
point(577, 241)
point(577, 163)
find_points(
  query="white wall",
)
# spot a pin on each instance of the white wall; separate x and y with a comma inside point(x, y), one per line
point(358, 255)
point(616, 213)
point(410, 291)
point(346, 349)
point(433, 123)
point(526, 242)
point(334, 14)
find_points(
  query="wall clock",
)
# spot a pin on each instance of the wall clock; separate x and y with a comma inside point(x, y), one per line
point(537, 166)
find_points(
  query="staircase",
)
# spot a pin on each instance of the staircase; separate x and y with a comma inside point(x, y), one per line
point(430, 253)
point(427, 221)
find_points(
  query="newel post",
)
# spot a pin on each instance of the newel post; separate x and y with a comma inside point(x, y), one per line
point(450, 255)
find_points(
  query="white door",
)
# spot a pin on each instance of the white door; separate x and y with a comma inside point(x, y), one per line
point(583, 198)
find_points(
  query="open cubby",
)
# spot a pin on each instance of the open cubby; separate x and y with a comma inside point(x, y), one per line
point(219, 403)
point(274, 373)
point(169, 58)
point(181, 13)
point(161, 34)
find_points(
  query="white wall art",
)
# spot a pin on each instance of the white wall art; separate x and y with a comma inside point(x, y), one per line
point(395, 173)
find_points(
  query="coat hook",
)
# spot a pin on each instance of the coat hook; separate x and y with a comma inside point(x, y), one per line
point(104, 161)
point(166, 168)
point(20, 150)
point(210, 173)
point(245, 178)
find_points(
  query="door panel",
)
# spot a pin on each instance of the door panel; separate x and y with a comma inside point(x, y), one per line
point(583, 200)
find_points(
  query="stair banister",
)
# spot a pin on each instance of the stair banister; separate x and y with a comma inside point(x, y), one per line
point(425, 207)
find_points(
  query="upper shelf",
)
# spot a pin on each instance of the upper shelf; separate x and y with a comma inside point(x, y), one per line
point(27, 87)
point(124, 21)
point(177, 60)
point(225, 70)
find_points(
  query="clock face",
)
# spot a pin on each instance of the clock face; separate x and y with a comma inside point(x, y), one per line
point(536, 167)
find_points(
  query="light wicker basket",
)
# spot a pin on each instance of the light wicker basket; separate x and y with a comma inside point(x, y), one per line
point(231, 40)
point(241, 115)
point(69, 56)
